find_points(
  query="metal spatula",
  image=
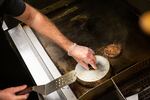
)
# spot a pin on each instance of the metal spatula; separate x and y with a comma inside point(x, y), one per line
point(53, 85)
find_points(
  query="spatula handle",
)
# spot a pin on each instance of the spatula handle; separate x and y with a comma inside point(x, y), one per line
point(25, 91)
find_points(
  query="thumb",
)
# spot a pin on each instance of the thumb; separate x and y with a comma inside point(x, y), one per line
point(83, 64)
point(18, 88)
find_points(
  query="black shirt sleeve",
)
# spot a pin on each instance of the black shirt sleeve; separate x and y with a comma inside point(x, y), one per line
point(14, 7)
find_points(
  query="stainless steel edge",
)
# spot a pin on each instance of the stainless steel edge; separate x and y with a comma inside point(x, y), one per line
point(32, 59)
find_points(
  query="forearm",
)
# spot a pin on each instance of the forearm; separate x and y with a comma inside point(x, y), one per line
point(43, 25)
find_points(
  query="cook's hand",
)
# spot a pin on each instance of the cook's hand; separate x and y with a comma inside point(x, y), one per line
point(9, 93)
point(83, 55)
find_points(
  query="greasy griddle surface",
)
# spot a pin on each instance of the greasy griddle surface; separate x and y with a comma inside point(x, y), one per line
point(40, 4)
point(108, 21)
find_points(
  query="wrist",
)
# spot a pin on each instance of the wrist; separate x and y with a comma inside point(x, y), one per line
point(71, 48)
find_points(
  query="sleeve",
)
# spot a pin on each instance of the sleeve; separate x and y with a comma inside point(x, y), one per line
point(14, 7)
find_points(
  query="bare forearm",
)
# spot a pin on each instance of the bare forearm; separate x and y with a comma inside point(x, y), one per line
point(44, 26)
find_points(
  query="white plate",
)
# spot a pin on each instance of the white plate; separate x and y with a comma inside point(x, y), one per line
point(103, 68)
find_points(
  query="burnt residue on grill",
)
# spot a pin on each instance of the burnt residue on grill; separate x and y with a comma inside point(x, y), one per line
point(96, 24)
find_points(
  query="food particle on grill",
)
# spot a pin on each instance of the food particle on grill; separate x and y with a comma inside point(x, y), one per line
point(112, 50)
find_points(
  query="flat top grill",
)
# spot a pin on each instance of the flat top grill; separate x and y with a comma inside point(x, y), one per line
point(95, 24)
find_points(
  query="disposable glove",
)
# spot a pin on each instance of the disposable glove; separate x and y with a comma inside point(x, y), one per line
point(83, 55)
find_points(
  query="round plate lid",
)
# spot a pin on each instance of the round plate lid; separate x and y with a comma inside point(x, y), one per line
point(93, 75)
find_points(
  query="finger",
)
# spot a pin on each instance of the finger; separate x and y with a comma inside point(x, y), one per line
point(91, 59)
point(91, 55)
point(92, 63)
point(18, 88)
point(22, 97)
point(83, 64)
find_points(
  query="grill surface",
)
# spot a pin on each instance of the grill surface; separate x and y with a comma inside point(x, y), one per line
point(101, 22)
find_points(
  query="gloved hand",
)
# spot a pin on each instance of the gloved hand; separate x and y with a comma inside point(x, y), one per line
point(9, 93)
point(82, 55)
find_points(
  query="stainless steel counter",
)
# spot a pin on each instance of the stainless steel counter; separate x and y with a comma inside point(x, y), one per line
point(38, 62)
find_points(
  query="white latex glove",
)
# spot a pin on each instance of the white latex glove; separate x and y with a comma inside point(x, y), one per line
point(9, 93)
point(83, 55)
